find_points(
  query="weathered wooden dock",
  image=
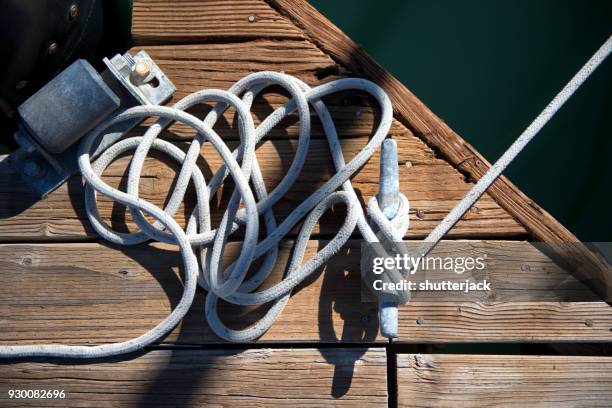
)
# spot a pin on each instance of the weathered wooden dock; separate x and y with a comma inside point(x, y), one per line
point(61, 284)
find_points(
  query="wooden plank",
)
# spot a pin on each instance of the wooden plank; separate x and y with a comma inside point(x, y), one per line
point(87, 293)
point(90, 293)
point(159, 21)
point(426, 125)
point(448, 380)
point(432, 187)
point(464, 322)
point(219, 65)
point(264, 377)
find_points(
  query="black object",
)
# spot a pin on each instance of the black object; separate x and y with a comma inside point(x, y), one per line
point(39, 38)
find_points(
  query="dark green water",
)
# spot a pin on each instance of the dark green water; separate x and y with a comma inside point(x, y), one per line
point(488, 68)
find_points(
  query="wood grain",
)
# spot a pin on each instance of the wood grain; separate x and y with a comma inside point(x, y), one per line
point(435, 380)
point(439, 136)
point(189, 378)
point(160, 21)
point(64, 293)
point(219, 65)
point(431, 185)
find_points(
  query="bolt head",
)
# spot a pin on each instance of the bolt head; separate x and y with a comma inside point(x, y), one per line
point(74, 11)
point(251, 19)
point(20, 85)
point(141, 69)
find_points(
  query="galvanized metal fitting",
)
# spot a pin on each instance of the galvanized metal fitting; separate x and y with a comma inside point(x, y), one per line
point(72, 104)
point(388, 201)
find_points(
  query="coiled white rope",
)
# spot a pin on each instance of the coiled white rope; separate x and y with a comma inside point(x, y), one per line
point(230, 284)
point(198, 237)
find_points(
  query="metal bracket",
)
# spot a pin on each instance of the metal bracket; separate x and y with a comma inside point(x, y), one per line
point(73, 103)
point(388, 201)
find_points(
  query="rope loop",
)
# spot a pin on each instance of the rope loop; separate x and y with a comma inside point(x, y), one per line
point(200, 244)
point(198, 237)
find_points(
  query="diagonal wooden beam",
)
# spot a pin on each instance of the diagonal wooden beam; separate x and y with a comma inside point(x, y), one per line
point(413, 113)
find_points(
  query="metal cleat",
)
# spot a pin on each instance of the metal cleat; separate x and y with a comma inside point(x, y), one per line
point(388, 201)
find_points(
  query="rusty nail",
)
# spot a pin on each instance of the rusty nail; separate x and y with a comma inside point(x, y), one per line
point(420, 214)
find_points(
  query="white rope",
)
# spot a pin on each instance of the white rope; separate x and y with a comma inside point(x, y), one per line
point(241, 164)
point(231, 284)
point(519, 144)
